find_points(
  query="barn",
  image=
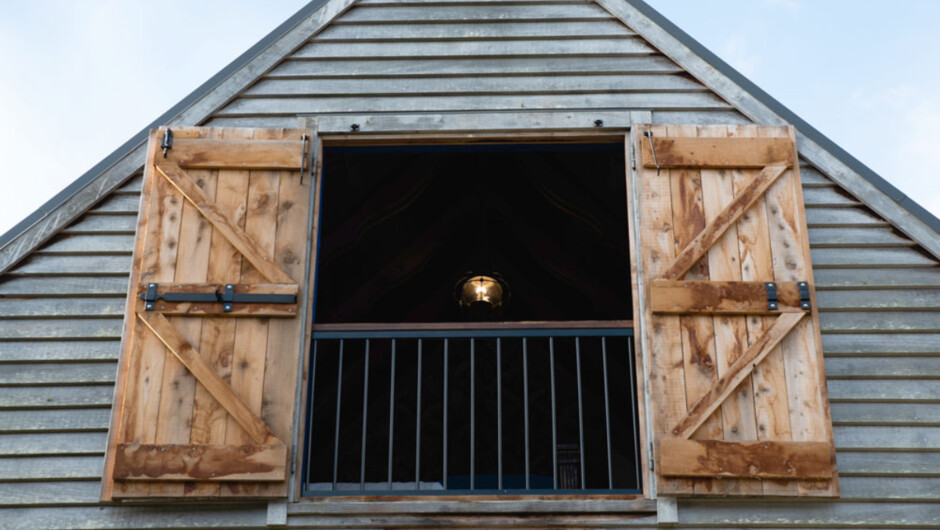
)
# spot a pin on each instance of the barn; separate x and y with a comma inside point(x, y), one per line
point(478, 263)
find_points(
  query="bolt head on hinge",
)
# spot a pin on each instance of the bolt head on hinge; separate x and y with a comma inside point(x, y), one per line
point(598, 123)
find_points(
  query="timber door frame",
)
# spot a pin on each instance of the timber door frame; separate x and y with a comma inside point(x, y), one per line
point(506, 128)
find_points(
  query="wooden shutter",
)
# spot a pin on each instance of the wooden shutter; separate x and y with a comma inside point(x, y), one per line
point(206, 381)
point(738, 393)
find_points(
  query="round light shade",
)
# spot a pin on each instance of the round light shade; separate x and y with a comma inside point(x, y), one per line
point(481, 289)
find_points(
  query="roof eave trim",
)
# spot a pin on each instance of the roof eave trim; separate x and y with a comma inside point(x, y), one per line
point(116, 168)
point(857, 178)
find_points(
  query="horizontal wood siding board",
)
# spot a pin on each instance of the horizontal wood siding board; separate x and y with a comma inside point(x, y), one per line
point(606, 46)
point(898, 414)
point(874, 278)
point(133, 185)
point(89, 244)
point(881, 344)
point(56, 397)
point(463, 13)
point(888, 300)
point(897, 488)
point(894, 367)
point(842, 217)
point(857, 237)
point(473, 30)
point(831, 197)
point(859, 257)
point(888, 438)
point(57, 286)
point(122, 224)
point(60, 373)
point(52, 351)
point(69, 328)
point(163, 516)
point(116, 205)
point(49, 493)
point(51, 468)
point(319, 105)
point(878, 321)
point(543, 84)
point(53, 443)
point(60, 307)
point(451, 67)
point(56, 420)
point(889, 464)
point(804, 513)
point(74, 265)
point(880, 390)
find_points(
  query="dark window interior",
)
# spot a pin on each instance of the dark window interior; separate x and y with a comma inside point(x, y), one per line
point(401, 225)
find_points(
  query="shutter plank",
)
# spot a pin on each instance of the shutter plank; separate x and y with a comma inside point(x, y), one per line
point(737, 412)
point(240, 154)
point(768, 382)
point(715, 153)
point(730, 297)
point(711, 458)
point(657, 245)
point(163, 462)
point(251, 335)
point(697, 331)
point(217, 343)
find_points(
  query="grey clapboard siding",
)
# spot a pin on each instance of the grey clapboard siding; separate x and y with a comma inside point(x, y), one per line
point(879, 295)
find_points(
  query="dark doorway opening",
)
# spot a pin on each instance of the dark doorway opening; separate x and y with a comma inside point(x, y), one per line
point(401, 225)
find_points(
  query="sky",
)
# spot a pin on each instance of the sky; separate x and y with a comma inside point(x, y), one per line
point(80, 77)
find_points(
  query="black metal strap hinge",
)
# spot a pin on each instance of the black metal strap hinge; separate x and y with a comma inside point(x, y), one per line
point(772, 302)
point(226, 297)
point(804, 295)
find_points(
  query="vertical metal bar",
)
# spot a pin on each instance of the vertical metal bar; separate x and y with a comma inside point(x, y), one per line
point(633, 410)
point(472, 418)
point(525, 401)
point(446, 374)
point(499, 414)
point(551, 360)
point(610, 465)
point(391, 417)
point(418, 425)
point(339, 396)
point(365, 411)
point(577, 355)
point(310, 430)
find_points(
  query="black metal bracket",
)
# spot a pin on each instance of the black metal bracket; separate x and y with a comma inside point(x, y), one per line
point(167, 142)
point(303, 157)
point(772, 302)
point(226, 297)
point(649, 135)
point(804, 295)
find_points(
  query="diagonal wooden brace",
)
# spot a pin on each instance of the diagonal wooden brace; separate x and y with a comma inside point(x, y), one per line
point(235, 235)
point(737, 373)
point(205, 374)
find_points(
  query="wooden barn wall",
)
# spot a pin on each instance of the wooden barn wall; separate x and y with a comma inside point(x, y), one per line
point(879, 295)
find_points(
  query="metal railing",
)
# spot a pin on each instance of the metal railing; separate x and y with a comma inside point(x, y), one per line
point(482, 411)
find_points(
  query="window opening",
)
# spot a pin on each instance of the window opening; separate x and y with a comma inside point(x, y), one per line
point(518, 380)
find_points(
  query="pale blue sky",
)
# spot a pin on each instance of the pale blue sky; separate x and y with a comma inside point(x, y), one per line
point(78, 78)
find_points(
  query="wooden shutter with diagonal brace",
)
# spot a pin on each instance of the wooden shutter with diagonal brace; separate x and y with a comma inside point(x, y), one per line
point(205, 395)
point(738, 393)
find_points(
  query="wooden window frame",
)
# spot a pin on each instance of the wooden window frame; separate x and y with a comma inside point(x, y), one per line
point(577, 127)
